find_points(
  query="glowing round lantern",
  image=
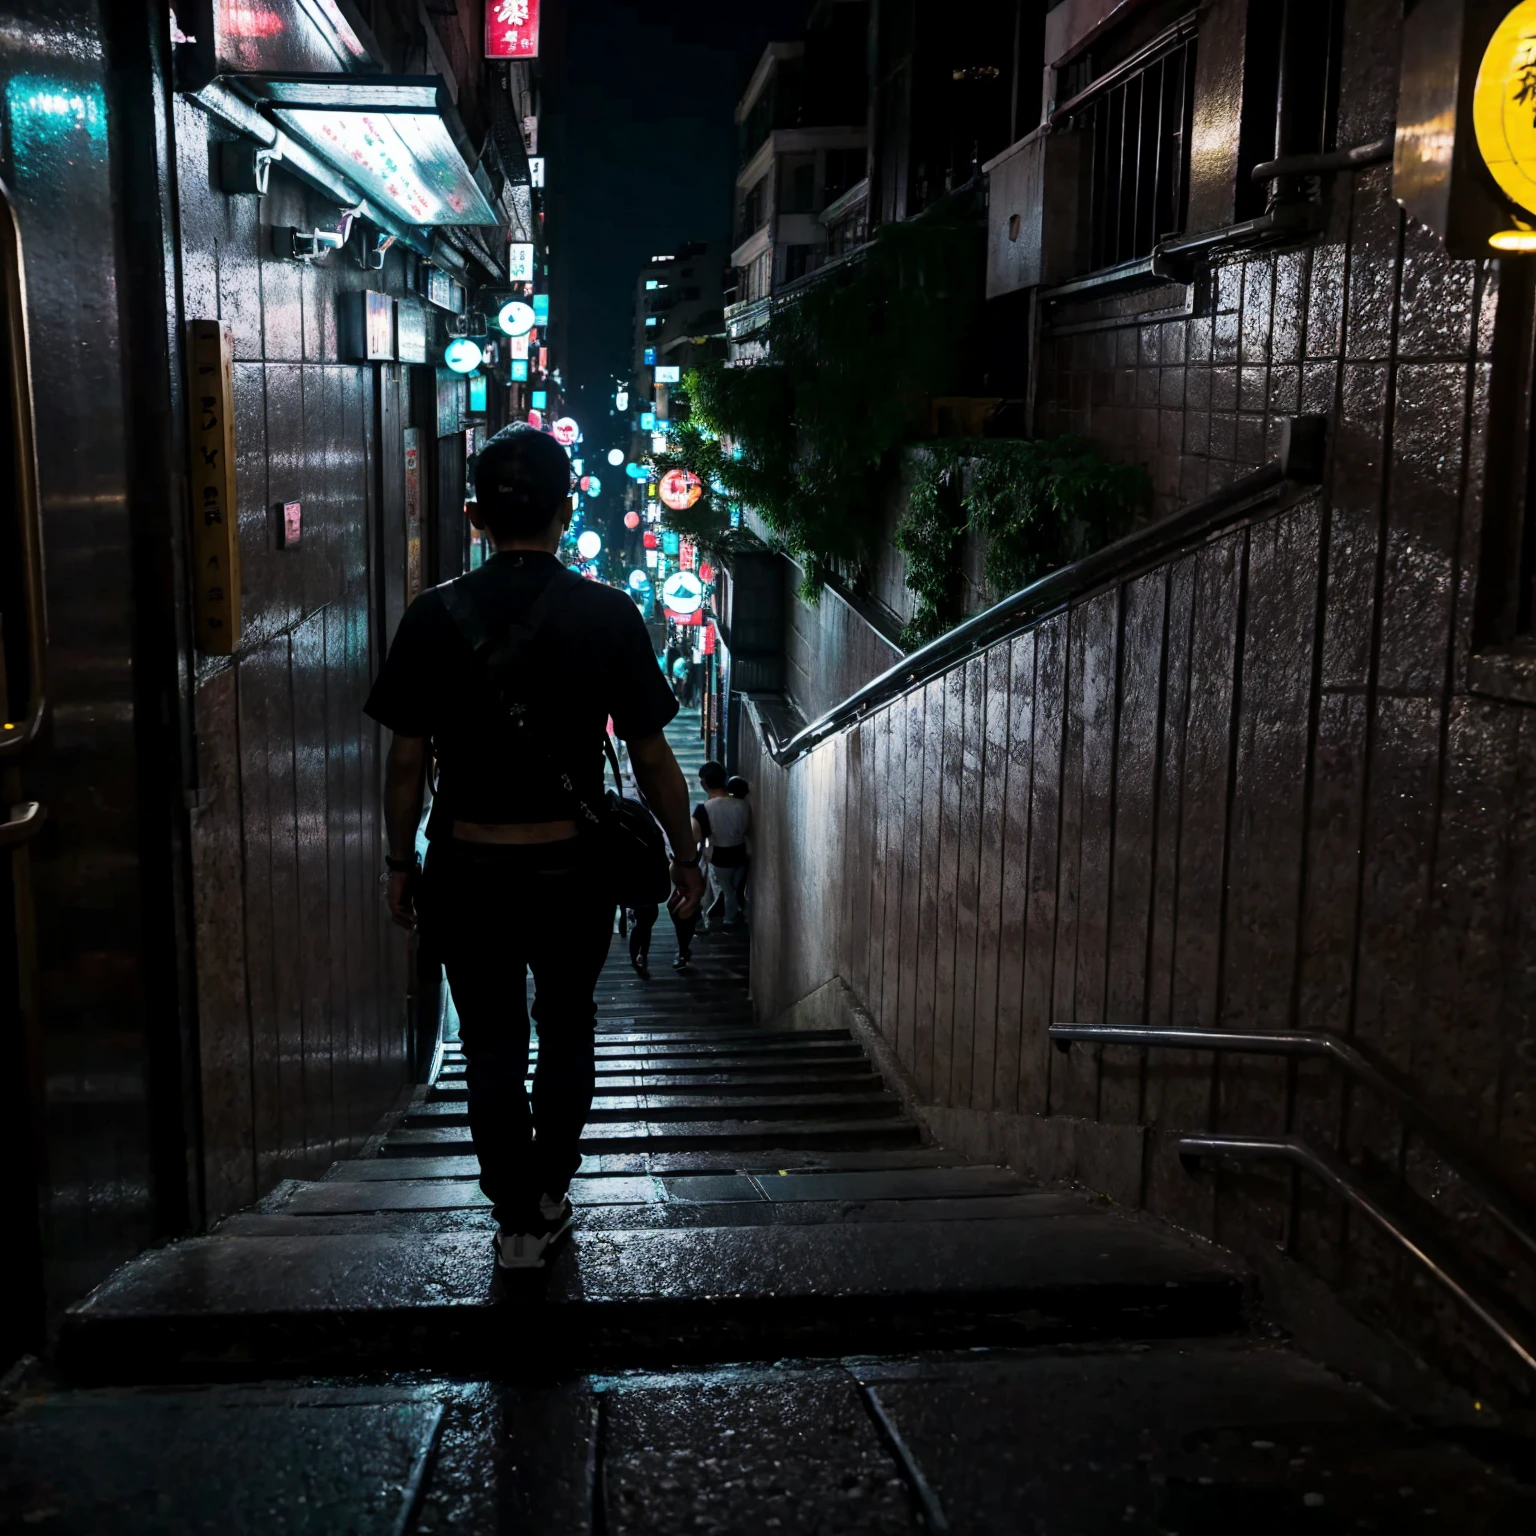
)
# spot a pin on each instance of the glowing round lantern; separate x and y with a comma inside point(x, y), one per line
point(631, 519)
point(589, 545)
point(680, 489)
point(566, 431)
point(615, 457)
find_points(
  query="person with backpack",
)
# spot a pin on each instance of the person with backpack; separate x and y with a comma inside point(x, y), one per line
point(506, 679)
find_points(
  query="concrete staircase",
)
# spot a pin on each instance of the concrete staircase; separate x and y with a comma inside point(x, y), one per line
point(782, 1310)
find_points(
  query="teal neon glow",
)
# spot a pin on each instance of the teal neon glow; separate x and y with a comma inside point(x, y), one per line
point(45, 114)
point(462, 355)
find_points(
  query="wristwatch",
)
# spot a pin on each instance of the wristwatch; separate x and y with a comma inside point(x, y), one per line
point(401, 866)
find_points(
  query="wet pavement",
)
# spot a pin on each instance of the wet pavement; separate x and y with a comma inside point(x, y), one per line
point(781, 1310)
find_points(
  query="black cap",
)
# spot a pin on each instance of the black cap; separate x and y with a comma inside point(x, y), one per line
point(522, 479)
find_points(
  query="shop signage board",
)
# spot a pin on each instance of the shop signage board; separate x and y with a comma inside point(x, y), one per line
point(512, 29)
point(520, 262)
point(450, 401)
point(410, 332)
point(215, 536)
point(412, 514)
point(681, 489)
point(669, 373)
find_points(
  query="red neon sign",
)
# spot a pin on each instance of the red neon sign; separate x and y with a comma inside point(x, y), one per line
point(512, 29)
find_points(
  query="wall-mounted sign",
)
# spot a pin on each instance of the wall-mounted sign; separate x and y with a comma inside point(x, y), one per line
point(444, 292)
point(512, 29)
point(412, 513)
point(520, 262)
point(650, 356)
point(519, 366)
point(651, 558)
point(215, 540)
point(477, 393)
point(517, 347)
point(669, 373)
point(450, 401)
point(290, 526)
point(516, 318)
point(683, 594)
point(671, 541)
point(463, 355)
point(621, 400)
point(536, 170)
point(367, 324)
point(541, 308)
point(680, 489)
point(410, 332)
point(566, 431)
point(647, 421)
point(541, 398)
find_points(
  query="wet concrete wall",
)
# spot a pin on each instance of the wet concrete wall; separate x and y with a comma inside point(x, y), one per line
point(831, 649)
point(300, 978)
point(1251, 788)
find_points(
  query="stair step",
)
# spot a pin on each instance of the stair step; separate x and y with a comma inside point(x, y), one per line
point(716, 1085)
point(696, 1136)
point(309, 1303)
point(691, 1106)
point(623, 1164)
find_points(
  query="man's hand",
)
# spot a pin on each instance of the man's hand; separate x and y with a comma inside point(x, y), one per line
point(402, 898)
point(687, 890)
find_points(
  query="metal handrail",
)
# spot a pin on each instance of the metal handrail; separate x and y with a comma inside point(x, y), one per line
point(1340, 1178)
point(25, 825)
point(1512, 1212)
point(1377, 152)
point(1147, 547)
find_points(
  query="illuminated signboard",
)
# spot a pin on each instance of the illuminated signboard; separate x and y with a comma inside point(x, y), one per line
point(566, 431)
point(669, 374)
point(512, 29)
point(444, 292)
point(594, 486)
point(541, 308)
point(519, 367)
point(680, 489)
point(536, 170)
point(621, 400)
point(477, 392)
point(520, 262)
point(541, 398)
point(671, 542)
point(517, 346)
point(647, 421)
point(516, 319)
point(683, 594)
point(462, 355)
point(1503, 120)
point(650, 355)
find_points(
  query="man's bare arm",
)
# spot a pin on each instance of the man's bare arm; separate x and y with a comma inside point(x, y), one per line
point(405, 788)
point(662, 783)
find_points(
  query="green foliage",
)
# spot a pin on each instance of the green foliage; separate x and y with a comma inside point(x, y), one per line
point(852, 363)
point(1037, 503)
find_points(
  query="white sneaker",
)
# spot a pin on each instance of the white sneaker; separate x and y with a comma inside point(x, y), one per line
point(556, 1212)
point(526, 1250)
point(521, 1250)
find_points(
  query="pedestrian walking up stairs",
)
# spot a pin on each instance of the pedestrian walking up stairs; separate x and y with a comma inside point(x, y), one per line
point(782, 1310)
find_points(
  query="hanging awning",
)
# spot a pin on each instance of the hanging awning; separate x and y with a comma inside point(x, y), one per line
point(396, 138)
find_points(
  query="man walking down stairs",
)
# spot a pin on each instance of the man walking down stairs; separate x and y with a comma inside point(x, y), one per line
point(782, 1310)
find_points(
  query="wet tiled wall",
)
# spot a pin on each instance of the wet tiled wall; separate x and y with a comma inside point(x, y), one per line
point(1248, 789)
point(300, 977)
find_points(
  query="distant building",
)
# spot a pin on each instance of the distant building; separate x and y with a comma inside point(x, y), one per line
point(802, 151)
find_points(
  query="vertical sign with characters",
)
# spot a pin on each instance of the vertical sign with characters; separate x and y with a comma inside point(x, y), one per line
point(511, 29)
point(215, 533)
point(412, 514)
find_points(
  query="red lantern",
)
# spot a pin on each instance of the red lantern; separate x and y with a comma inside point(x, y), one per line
point(586, 481)
point(651, 541)
point(536, 420)
point(631, 519)
point(706, 573)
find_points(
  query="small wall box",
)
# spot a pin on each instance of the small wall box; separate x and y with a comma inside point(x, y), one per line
point(367, 329)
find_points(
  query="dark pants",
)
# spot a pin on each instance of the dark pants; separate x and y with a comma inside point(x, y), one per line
point(492, 912)
point(645, 922)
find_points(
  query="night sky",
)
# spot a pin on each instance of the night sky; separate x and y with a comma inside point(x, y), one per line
point(650, 153)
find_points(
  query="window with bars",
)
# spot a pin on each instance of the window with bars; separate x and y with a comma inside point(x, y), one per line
point(1135, 120)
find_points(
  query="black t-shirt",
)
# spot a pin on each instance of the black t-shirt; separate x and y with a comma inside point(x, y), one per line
point(591, 661)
